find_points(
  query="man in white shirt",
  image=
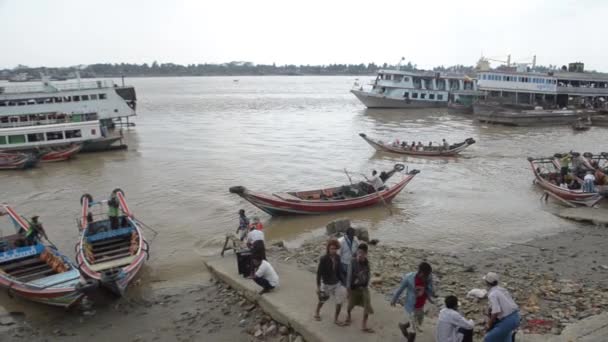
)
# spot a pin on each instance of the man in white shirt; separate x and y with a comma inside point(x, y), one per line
point(376, 182)
point(254, 235)
point(451, 325)
point(589, 182)
point(348, 248)
point(265, 275)
point(503, 312)
point(255, 242)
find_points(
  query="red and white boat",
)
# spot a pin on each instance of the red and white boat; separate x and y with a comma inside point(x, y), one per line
point(111, 255)
point(327, 200)
point(16, 160)
point(547, 172)
point(54, 154)
point(37, 272)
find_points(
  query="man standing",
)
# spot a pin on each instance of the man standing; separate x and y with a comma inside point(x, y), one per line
point(419, 289)
point(113, 211)
point(348, 248)
point(328, 281)
point(358, 287)
point(243, 227)
point(503, 312)
point(35, 231)
point(451, 325)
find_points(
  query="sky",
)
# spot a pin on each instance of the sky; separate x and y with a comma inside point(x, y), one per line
point(426, 32)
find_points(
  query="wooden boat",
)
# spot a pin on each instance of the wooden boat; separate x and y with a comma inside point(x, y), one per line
point(111, 256)
point(15, 160)
point(437, 151)
point(581, 126)
point(546, 169)
point(37, 272)
point(54, 154)
point(326, 200)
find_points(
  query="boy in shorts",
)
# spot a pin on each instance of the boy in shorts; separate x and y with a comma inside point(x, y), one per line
point(329, 281)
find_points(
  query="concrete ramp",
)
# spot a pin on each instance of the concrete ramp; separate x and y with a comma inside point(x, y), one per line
point(294, 302)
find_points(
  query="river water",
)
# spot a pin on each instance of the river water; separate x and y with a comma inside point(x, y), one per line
point(196, 137)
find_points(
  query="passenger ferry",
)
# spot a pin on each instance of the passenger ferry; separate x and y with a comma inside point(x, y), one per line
point(49, 130)
point(109, 101)
point(416, 89)
point(516, 96)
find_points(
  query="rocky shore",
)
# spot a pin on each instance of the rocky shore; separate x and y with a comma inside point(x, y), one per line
point(556, 280)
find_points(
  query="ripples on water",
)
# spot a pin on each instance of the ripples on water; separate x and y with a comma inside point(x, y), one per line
point(195, 137)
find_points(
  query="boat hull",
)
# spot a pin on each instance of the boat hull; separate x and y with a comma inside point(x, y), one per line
point(497, 114)
point(65, 296)
point(60, 154)
point(379, 101)
point(103, 144)
point(388, 148)
point(16, 161)
point(276, 206)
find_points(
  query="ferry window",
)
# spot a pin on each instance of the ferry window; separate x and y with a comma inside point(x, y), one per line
point(431, 96)
point(504, 78)
point(71, 134)
point(4, 119)
point(422, 96)
point(439, 97)
point(54, 135)
point(406, 94)
point(10, 103)
point(35, 137)
point(406, 79)
point(2, 104)
point(39, 100)
point(76, 98)
point(414, 95)
point(102, 96)
point(93, 96)
point(16, 139)
point(58, 99)
point(48, 100)
point(85, 97)
point(2, 140)
point(67, 99)
point(23, 118)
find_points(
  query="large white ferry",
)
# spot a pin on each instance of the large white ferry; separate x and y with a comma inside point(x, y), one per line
point(517, 96)
point(109, 101)
point(416, 89)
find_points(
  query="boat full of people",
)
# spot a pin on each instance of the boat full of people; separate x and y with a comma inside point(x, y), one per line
point(402, 147)
point(327, 200)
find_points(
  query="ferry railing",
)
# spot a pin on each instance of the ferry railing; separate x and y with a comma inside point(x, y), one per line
point(56, 87)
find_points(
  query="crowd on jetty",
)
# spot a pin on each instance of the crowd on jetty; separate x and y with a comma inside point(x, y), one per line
point(347, 264)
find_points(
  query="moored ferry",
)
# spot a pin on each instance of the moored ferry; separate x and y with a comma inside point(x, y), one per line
point(517, 96)
point(416, 89)
point(109, 101)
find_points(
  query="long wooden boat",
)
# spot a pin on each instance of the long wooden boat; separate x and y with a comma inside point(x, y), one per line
point(111, 256)
point(15, 160)
point(327, 200)
point(54, 154)
point(546, 169)
point(437, 151)
point(37, 272)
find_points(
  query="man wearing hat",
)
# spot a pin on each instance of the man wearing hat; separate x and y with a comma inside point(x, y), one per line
point(503, 312)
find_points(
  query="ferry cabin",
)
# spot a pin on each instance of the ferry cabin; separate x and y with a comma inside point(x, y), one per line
point(11, 121)
point(548, 90)
point(421, 86)
point(102, 97)
point(31, 137)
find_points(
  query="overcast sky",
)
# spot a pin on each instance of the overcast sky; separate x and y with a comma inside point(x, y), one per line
point(426, 32)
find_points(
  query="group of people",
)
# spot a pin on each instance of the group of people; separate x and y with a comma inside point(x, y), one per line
point(343, 274)
point(420, 147)
point(574, 168)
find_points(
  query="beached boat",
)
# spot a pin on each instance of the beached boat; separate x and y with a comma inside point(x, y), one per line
point(60, 153)
point(37, 272)
point(546, 172)
point(111, 255)
point(581, 125)
point(327, 200)
point(437, 151)
point(14, 161)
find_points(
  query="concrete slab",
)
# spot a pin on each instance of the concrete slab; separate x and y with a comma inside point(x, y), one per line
point(293, 304)
point(592, 329)
point(594, 215)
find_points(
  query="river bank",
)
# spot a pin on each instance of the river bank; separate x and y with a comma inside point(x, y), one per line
point(556, 280)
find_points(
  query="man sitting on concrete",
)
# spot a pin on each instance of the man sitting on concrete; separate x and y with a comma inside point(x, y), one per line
point(451, 325)
point(264, 275)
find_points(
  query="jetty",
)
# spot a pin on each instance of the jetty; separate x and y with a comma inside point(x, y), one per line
point(596, 216)
point(294, 301)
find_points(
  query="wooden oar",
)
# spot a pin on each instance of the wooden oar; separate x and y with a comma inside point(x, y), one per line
point(347, 175)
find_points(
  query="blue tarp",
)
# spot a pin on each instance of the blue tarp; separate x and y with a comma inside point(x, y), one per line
point(21, 252)
point(109, 234)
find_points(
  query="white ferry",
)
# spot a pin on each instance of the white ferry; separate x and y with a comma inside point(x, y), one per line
point(516, 96)
point(416, 89)
point(109, 101)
